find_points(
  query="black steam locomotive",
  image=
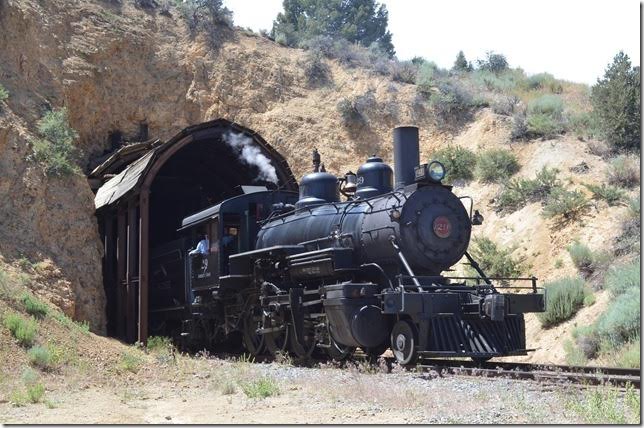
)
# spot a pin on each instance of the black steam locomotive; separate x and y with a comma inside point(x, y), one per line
point(311, 273)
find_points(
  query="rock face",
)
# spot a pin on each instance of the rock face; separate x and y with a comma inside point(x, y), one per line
point(115, 68)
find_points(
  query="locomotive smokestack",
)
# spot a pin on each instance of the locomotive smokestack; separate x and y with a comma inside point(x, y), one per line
point(406, 154)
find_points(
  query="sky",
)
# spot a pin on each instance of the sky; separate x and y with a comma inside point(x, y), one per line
point(571, 39)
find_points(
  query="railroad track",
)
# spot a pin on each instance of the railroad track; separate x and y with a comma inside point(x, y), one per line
point(546, 373)
point(549, 373)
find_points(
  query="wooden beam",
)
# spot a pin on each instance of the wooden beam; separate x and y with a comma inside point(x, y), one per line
point(144, 226)
point(121, 271)
point(132, 268)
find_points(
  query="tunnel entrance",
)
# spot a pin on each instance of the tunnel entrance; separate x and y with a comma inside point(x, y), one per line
point(144, 194)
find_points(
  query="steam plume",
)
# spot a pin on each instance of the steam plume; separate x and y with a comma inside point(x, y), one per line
point(250, 154)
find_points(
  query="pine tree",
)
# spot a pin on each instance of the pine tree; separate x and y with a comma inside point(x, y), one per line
point(461, 63)
point(616, 103)
point(358, 21)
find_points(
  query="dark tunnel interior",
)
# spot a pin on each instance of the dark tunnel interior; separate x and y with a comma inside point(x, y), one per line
point(199, 175)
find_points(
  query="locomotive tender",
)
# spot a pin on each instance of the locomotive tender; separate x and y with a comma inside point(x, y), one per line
point(311, 273)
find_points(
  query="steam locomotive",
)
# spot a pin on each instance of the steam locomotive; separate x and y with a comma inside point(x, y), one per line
point(311, 273)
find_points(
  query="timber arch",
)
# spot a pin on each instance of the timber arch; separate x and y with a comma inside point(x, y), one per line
point(145, 189)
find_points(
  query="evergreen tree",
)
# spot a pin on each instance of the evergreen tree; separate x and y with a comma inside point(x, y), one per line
point(616, 103)
point(358, 21)
point(461, 63)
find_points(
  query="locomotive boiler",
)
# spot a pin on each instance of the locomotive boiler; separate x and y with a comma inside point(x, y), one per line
point(314, 273)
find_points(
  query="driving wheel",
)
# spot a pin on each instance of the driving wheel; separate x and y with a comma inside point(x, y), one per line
point(253, 342)
point(403, 342)
point(276, 341)
point(305, 349)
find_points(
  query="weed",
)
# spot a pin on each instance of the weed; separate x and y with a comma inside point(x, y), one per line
point(587, 340)
point(23, 329)
point(33, 306)
point(4, 94)
point(563, 298)
point(35, 392)
point(520, 191)
point(260, 388)
point(545, 116)
point(621, 321)
point(544, 81)
point(611, 194)
point(65, 321)
point(317, 72)
point(624, 171)
point(40, 357)
point(558, 264)
point(228, 387)
point(582, 257)
point(55, 150)
point(404, 71)
point(597, 406)
point(156, 343)
point(130, 362)
point(622, 278)
point(496, 164)
point(459, 163)
point(574, 355)
point(629, 355)
point(495, 261)
point(565, 205)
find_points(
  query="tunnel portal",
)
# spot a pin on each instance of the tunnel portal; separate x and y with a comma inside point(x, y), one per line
point(144, 190)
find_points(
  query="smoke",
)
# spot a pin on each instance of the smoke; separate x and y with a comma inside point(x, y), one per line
point(250, 154)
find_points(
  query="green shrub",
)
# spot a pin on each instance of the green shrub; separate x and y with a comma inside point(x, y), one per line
point(628, 242)
point(574, 355)
point(4, 94)
point(33, 306)
point(260, 388)
point(504, 82)
point(495, 261)
point(405, 72)
point(494, 62)
point(496, 164)
point(621, 321)
point(598, 406)
point(159, 343)
point(355, 111)
point(564, 204)
point(545, 116)
point(622, 278)
point(449, 98)
point(544, 81)
point(629, 355)
point(426, 77)
point(23, 329)
point(634, 207)
point(585, 125)
point(624, 171)
point(563, 299)
point(130, 362)
point(611, 194)
point(520, 191)
point(587, 340)
point(40, 357)
point(35, 392)
point(581, 256)
point(616, 102)
point(459, 162)
point(55, 150)
point(519, 126)
point(317, 72)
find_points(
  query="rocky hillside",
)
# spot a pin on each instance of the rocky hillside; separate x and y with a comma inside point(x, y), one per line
point(116, 67)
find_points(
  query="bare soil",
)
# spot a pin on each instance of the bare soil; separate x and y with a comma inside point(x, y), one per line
point(191, 391)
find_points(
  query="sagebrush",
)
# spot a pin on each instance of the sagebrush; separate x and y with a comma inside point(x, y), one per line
point(563, 299)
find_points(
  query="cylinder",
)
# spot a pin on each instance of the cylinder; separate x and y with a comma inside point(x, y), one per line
point(406, 154)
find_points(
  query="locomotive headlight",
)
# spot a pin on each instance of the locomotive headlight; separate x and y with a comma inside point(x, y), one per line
point(436, 170)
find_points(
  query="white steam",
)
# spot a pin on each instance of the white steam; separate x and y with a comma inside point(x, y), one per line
point(250, 154)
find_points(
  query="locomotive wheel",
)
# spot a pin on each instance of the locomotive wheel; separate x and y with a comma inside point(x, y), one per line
point(304, 350)
point(275, 341)
point(337, 351)
point(253, 342)
point(403, 342)
point(373, 353)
